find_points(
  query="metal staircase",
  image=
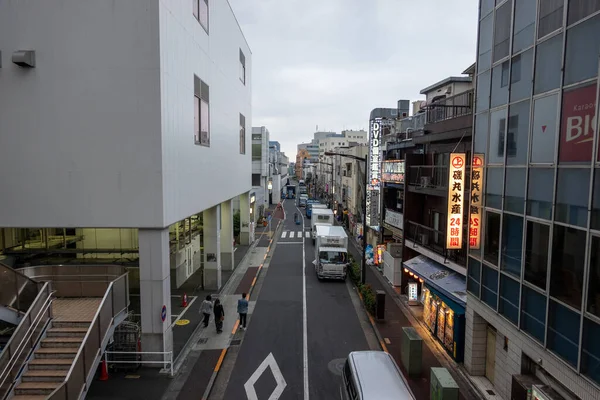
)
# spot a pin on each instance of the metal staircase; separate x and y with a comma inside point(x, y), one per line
point(17, 293)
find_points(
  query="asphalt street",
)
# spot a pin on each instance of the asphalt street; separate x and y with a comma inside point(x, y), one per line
point(274, 341)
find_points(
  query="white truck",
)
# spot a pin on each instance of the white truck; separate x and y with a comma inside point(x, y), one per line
point(331, 252)
point(320, 217)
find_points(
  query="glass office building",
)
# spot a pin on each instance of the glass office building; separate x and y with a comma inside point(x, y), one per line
point(533, 283)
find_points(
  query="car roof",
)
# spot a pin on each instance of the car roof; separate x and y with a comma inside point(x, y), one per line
point(378, 376)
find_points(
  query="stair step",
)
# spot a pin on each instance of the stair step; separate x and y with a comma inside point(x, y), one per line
point(36, 388)
point(50, 363)
point(67, 332)
point(70, 324)
point(55, 342)
point(56, 352)
point(29, 397)
point(46, 375)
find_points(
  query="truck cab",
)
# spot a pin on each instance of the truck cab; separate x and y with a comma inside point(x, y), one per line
point(319, 216)
point(302, 200)
point(331, 252)
point(313, 204)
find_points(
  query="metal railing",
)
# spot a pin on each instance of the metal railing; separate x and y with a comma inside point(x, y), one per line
point(435, 241)
point(412, 124)
point(428, 176)
point(166, 355)
point(455, 106)
point(17, 291)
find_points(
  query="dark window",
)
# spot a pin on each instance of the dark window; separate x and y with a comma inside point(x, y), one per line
point(492, 237)
point(514, 192)
point(548, 65)
point(201, 112)
point(502, 31)
point(255, 179)
point(595, 223)
point(550, 16)
point(473, 276)
point(509, 299)
point(518, 133)
point(242, 134)
point(493, 187)
point(568, 258)
point(540, 192)
point(242, 67)
point(489, 286)
point(590, 350)
point(533, 313)
point(572, 193)
point(521, 76)
point(500, 85)
point(497, 134)
point(545, 116)
point(481, 133)
point(524, 29)
point(483, 91)
point(201, 12)
point(256, 151)
point(583, 46)
point(537, 249)
point(485, 43)
point(579, 9)
point(593, 297)
point(563, 332)
point(512, 244)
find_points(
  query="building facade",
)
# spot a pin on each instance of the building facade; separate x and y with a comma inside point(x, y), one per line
point(533, 283)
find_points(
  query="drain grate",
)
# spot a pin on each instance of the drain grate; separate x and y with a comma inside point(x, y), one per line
point(202, 340)
point(490, 392)
point(236, 342)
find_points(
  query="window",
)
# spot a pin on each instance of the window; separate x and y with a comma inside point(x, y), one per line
point(548, 65)
point(514, 191)
point(473, 276)
point(518, 133)
point(524, 29)
point(497, 134)
point(590, 350)
point(537, 249)
point(540, 191)
point(489, 286)
point(255, 179)
point(579, 9)
point(533, 313)
point(568, 258)
point(502, 31)
point(201, 12)
point(483, 91)
point(550, 16)
point(201, 113)
point(242, 67)
point(595, 224)
point(509, 298)
point(242, 134)
point(492, 237)
point(583, 47)
point(481, 133)
point(593, 296)
point(486, 7)
point(500, 85)
point(256, 152)
point(572, 193)
point(544, 129)
point(493, 187)
point(563, 332)
point(512, 244)
point(485, 43)
point(521, 77)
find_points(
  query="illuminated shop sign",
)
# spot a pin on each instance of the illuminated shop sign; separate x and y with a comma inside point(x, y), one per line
point(374, 172)
point(456, 191)
point(577, 125)
point(476, 201)
point(393, 171)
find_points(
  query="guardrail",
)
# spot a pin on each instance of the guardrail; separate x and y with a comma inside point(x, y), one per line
point(435, 241)
point(17, 291)
point(455, 106)
point(168, 360)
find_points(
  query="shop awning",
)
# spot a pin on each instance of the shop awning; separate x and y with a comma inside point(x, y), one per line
point(440, 278)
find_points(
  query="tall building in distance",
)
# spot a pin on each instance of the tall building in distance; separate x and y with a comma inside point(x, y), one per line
point(533, 283)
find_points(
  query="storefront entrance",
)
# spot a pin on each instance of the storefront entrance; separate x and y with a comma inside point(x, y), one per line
point(444, 323)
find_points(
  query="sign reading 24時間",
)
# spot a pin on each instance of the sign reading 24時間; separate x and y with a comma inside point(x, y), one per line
point(374, 174)
point(476, 201)
point(456, 191)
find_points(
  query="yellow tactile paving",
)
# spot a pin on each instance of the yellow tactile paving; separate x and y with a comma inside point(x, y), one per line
point(75, 309)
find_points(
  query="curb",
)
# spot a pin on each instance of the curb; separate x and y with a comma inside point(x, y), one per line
point(372, 322)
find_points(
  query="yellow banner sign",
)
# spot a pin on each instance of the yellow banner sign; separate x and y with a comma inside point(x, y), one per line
point(456, 192)
point(476, 201)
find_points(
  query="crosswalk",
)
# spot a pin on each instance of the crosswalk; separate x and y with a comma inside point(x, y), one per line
point(294, 234)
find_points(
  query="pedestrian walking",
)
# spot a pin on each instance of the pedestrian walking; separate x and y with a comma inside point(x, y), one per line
point(206, 309)
point(242, 309)
point(219, 315)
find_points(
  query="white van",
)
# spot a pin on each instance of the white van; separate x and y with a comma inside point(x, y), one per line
point(320, 217)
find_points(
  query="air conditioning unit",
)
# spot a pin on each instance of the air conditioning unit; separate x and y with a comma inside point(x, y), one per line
point(395, 249)
point(425, 181)
point(424, 239)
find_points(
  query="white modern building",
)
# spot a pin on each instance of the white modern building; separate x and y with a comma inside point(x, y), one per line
point(278, 172)
point(259, 197)
point(119, 120)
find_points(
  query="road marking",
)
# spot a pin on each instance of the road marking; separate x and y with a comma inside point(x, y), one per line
point(292, 234)
point(387, 341)
point(307, 234)
point(284, 234)
point(289, 243)
point(220, 361)
point(235, 327)
point(268, 362)
point(304, 318)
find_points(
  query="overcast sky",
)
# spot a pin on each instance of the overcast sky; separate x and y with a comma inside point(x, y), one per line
point(330, 62)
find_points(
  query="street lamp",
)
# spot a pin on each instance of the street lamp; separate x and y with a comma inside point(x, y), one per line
point(363, 264)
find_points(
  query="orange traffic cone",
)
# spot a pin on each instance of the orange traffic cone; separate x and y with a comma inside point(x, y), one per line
point(103, 371)
point(184, 300)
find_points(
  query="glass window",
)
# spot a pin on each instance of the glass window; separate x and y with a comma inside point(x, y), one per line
point(473, 276)
point(563, 332)
point(572, 193)
point(502, 31)
point(595, 223)
point(493, 187)
point(544, 129)
point(590, 350)
point(509, 299)
point(483, 91)
point(579, 9)
point(518, 133)
point(485, 43)
point(242, 67)
point(256, 151)
point(512, 244)
point(548, 65)
point(255, 179)
point(196, 120)
point(481, 133)
point(486, 7)
point(568, 258)
point(489, 286)
point(576, 128)
point(514, 191)
point(521, 76)
point(203, 18)
point(540, 190)
point(492, 237)
point(537, 249)
point(500, 85)
point(533, 313)
point(524, 29)
point(550, 17)
point(497, 134)
point(593, 296)
point(583, 47)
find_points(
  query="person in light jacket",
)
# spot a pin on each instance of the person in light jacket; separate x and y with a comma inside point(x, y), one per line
point(206, 309)
point(242, 309)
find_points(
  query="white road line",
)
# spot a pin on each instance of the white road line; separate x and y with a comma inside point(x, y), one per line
point(307, 234)
point(292, 234)
point(284, 234)
point(268, 362)
point(278, 243)
point(304, 318)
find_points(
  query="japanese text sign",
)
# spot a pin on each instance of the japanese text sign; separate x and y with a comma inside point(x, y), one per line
point(476, 201)
point(456, 191)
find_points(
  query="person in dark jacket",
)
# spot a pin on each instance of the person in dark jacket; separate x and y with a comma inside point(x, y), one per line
point(219, 315)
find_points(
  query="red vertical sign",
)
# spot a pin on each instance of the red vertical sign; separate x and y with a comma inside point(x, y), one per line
point(578, 124)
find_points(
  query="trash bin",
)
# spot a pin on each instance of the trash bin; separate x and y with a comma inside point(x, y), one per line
point(380, 305)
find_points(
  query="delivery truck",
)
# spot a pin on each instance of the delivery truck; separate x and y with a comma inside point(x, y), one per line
point(331, 252)
point(320, 217)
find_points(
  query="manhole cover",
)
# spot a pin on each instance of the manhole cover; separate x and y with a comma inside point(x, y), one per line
point(236, 342)
point(336, 366)
point(202, 340)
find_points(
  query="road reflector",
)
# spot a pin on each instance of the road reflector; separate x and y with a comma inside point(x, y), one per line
point(182, 322)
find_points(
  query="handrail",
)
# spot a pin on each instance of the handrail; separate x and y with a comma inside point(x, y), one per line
point(16, 297)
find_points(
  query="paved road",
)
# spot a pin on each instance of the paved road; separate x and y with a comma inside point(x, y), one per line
point(276, 326)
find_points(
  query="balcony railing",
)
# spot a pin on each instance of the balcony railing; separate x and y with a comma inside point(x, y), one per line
point(431, 177)
point(451, 107)
point(435, 241)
